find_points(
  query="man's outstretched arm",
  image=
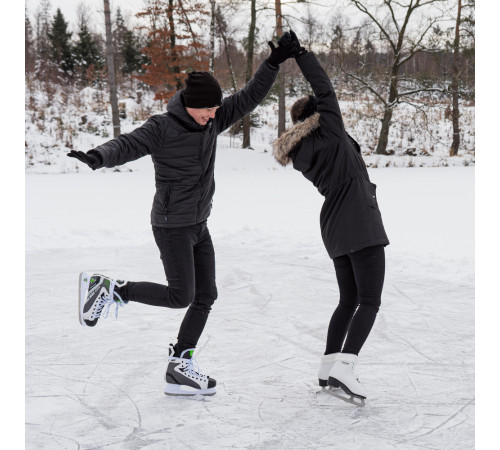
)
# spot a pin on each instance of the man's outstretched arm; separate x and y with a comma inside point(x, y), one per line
point(126, 147)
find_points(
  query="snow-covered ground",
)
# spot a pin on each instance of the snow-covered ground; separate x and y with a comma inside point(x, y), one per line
point(102, 388)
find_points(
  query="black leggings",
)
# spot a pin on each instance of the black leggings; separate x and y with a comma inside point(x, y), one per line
point(188, 258)
point(360, 276)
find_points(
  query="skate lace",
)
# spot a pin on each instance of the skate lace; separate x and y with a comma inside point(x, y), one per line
point(107, 300)
point(193, 368)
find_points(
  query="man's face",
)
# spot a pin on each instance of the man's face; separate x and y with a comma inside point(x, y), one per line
point(202, 115)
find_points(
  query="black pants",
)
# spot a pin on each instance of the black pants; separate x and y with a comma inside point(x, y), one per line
point(188, 258)
point(360, 276)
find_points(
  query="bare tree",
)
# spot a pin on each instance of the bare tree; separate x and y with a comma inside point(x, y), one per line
point(281, 76)
point(83, 14)
point(404, 44)
point(249, 71)
point(174, 45)
point(454, 84)
point(175, 56)
point(110, 56)
point(313, 28)
point(212, 35)
point(221, 26)
point(463, 62)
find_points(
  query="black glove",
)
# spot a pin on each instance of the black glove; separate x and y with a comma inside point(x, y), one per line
point(285, 39)
point(91, 158)
point(286, 48)
point(301, 50)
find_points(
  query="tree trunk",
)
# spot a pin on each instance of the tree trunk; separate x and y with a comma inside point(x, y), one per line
point(235, 128)
point(110, 56)
point(386, 121)
point(228, 56)
point(383, 138)
point(175, 59)
point(281, 76)
point(212, 36)
point(454, 86)
point(249, 72)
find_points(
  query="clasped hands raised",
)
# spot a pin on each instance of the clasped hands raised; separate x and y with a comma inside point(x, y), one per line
point(288, 46)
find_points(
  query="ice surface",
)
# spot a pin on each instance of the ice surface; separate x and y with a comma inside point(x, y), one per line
point(103, 387)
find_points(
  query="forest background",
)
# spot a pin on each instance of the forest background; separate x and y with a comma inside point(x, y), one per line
point(404, 72)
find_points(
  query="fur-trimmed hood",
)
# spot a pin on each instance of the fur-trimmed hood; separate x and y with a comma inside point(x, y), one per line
point(289, 139)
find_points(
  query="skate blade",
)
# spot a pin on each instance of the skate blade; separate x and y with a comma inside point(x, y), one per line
point(336, 383)
point(177, 390)
point(83, 289)
point(341, 395)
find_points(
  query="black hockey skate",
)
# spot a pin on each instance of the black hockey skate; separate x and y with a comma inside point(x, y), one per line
point(96, 294)
point(183, 376)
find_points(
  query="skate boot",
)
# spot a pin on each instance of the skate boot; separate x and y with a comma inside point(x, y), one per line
point(343, 375)
point(95, 293)
point(325, 367)
point(184, 377)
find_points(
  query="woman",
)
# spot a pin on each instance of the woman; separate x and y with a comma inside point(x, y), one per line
point(351, 224)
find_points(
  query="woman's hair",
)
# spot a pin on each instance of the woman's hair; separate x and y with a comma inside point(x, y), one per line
point(303, 108)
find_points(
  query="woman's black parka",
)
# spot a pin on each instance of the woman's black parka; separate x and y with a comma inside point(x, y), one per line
point(320, 148)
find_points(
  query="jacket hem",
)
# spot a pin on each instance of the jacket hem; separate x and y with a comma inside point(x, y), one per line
point(177, 225)
point(359, 247)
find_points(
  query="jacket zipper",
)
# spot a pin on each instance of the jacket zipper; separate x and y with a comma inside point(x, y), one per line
point(167, 199)
point(200, 160)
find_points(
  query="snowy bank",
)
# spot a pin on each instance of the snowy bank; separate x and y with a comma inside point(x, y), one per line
point(62, 119)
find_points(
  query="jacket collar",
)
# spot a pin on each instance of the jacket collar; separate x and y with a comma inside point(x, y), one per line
point(290, 138)
point(176, 108)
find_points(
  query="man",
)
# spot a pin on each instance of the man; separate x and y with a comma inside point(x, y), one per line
point(182, 144)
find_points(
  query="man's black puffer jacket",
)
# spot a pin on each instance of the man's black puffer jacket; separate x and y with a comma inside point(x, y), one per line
point(183, 152)
point(321, 149)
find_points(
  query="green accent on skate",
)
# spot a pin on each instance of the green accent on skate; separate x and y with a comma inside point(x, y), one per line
point(92, 280)
point(191, 352)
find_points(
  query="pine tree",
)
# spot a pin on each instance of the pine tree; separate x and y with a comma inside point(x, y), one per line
point(119, 31)
point(131, 54)
point(60, 41)
point(29, 45)
point(88, 55)
point(127, 45)
point(42, 44)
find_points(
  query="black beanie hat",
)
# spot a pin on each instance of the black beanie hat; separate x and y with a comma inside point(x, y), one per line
point(202, 91)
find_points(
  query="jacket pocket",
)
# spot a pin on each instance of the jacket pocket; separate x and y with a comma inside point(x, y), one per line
point(168, 196)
